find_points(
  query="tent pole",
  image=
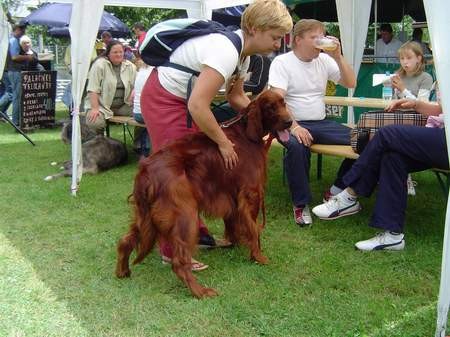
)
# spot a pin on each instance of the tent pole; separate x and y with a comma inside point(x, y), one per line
point(375, 11)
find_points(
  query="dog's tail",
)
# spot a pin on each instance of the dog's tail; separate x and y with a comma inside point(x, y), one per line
point(142, 198)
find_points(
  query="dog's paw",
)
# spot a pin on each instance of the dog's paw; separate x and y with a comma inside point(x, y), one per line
point(53, 163)
point(260, 259)
point(48, 178)
point(206, 292)
point(123, 273)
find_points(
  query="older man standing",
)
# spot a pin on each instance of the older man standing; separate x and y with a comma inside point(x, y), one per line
point(15, 64)
point(300, 76)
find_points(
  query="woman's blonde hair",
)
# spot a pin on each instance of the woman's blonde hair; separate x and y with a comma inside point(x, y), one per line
point(265, 15)
point(417, 50)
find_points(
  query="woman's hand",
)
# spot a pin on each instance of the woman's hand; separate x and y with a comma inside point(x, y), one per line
point(131, 98)
point(229, 156)
point(401, 104)
point(397, 83)
point(302, 135)
point(93, 115)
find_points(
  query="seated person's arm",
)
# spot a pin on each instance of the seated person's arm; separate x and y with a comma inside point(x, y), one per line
point(425, 108)
point(199, 105)
point(403, 92)
point(95, 106)
point(348, 78)
point(22, 58)
point(301, 134)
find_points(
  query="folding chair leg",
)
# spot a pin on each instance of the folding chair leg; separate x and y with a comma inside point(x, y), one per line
point(124, 126)
point(319, 166)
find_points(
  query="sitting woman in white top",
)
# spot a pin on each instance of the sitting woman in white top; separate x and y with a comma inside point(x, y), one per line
point(411, 81)
point(142, 140)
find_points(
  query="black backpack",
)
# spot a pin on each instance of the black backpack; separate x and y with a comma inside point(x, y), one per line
point(163, 38)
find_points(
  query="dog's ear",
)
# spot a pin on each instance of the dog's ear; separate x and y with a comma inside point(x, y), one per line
point(254, 129)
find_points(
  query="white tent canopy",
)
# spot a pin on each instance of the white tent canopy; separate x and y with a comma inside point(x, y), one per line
point(201, 9)
point(4, 39)
point(82, 34)
point(436, 12)
point(353, 18)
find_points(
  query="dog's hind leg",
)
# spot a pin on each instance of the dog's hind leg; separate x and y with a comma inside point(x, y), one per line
point(231, 227)
point(183, 238)
point(178, 222)
point(147, 236)
point(124, 248)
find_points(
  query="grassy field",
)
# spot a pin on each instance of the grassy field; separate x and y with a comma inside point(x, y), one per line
point(57, 258)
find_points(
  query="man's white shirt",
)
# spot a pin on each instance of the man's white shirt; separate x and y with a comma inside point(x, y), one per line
point(304, 82)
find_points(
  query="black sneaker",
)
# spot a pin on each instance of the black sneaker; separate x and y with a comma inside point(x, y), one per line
point(206, 241)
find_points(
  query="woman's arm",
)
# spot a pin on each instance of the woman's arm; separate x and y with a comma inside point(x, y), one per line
point(95, 106)
point(425, 108)
point(236, 96)
point(206, 87)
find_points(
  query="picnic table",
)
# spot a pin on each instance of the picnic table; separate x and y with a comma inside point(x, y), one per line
point(377, 103)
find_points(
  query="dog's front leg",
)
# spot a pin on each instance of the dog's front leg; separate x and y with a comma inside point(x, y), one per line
point(248, 208)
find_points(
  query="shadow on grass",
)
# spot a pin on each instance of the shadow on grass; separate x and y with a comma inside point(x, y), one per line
point(316, 284)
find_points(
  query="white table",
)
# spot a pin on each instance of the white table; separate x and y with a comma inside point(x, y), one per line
point(377, 103)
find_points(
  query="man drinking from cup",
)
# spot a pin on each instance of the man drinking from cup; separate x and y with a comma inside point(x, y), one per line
point(301, 76)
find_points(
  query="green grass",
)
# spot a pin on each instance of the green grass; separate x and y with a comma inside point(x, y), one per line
point(57, 258)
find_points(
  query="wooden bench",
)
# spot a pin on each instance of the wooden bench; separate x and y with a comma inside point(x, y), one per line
point(344, 151)
point(126, 122)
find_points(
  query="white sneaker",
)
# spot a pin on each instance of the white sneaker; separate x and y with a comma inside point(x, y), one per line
point(411, 185)
point(335, 208)
point(302, 216)
point(383, 241)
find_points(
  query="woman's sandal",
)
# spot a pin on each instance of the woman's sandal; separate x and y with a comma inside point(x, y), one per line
point(195, 265)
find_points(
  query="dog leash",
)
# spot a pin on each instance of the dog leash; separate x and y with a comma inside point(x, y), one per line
point(268, 142)
point(231, 121)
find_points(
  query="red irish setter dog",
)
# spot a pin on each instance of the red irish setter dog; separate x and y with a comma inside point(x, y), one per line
point(188, 176)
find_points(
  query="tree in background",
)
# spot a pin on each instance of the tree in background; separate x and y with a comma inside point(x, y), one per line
point(147, 16)
point(10, 6)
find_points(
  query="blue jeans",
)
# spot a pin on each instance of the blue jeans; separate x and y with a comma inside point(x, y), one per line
point(142, 140)
point(393, 152)
point(6, 98)
point(298, 157)
point(14, 79)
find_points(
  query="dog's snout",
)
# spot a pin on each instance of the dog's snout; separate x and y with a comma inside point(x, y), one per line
point(287, 123)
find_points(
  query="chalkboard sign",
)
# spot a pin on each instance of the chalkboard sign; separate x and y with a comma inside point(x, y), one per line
point(38, 99)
